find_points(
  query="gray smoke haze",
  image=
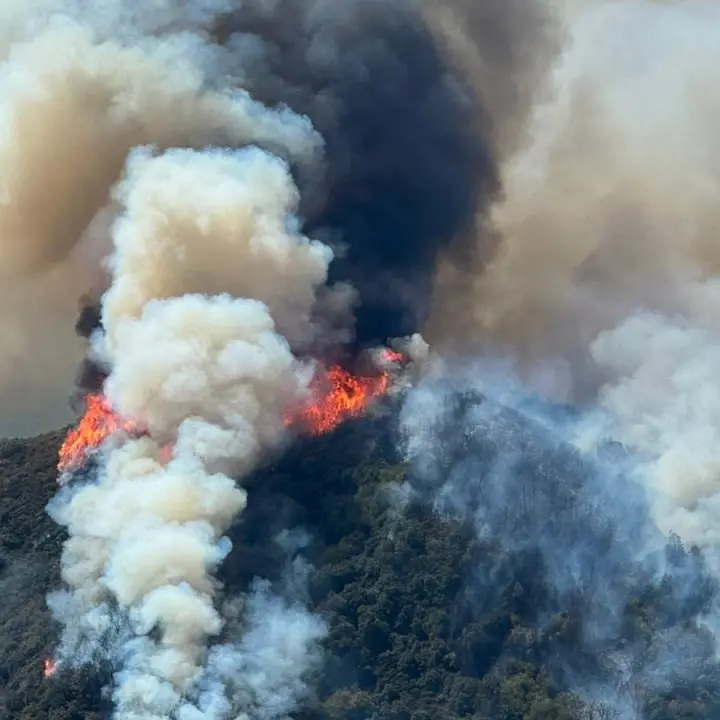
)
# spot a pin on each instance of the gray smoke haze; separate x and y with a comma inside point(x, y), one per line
point(553, 511)
point(602, 293)
point(606, 276)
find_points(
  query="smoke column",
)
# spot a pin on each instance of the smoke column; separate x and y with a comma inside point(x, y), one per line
point(409, 96)
point(207, 269)
point(223, 187)
point(209, 373)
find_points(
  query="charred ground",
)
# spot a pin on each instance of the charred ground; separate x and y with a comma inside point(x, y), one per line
point(425, 621)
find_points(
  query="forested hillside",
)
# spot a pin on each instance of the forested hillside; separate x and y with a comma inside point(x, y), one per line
point(425, 621)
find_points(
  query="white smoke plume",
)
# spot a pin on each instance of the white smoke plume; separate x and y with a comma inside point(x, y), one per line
point(274, 632)
point(209, 281)
point(81, 86)
point(665, 405)
point(211, 374)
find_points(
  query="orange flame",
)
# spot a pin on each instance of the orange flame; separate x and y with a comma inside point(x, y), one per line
point(338, 395)
point(49, 667)
point(99, 422)
point(166, 453)
point(392, 356)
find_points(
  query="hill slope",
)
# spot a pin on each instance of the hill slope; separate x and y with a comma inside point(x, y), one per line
point(425, 621)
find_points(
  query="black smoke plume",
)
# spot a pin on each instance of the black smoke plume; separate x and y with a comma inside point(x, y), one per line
point(408, 146)
point(409, 149)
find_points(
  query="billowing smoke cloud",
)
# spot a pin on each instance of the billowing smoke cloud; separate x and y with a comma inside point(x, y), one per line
point(201, 366)
point(408, 149)
point(181, 210)
point(603, 292)
point(505, 52)
point(74, 102)
point(665, 406)
point(610, 207)
point(210, 374)
point(607, 273)
point(414, 101)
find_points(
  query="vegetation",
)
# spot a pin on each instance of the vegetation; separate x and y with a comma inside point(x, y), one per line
point(426, 622)
point(30, 545)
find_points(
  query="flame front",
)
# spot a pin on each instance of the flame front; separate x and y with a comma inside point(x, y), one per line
point(49, 667)
point(99, 422)
point(336, 396)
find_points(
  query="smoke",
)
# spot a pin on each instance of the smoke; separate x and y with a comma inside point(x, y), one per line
point(610, 206)
point(39, 354)
point(209, 235)
point(574, 524)
point(505, 52)
point(602, 293)
point(276, 632)
point(233, 232)
point(415, 102)
point(209, 373)
point(74, 102)
point(193, 234)
point(409, 148)
point(607, 271)
point(665, 405)
point(228, 186)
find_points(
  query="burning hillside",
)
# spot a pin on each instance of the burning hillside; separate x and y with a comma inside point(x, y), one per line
point(240, 196)
point(334, 395)
point(491, 639)
point(98, 423)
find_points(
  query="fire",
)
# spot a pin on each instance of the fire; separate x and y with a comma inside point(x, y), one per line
point(99, 422)
point(338, 395)
point(393, 356)
point(49, 667)
point(166, 453)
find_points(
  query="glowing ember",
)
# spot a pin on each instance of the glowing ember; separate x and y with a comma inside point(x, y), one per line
point(49, 667)
point(166, 453)
point(338, 395)
point(388, 355)
point(99, 422)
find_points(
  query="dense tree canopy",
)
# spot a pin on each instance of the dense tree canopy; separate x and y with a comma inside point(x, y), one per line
point(425, 621)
